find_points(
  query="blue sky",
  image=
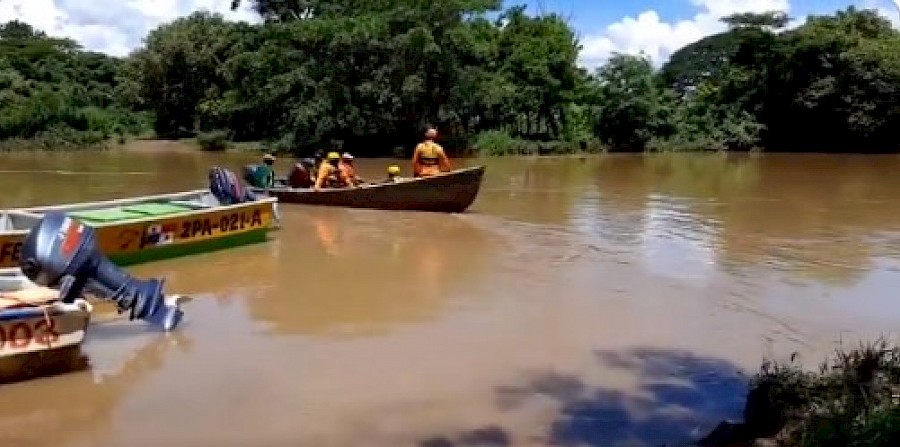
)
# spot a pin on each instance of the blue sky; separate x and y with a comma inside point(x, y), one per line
point(654, 27)
point(659, 27)
point(588, 15)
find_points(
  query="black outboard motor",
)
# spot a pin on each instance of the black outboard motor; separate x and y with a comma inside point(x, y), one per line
point(61, 253)
point(227, 188)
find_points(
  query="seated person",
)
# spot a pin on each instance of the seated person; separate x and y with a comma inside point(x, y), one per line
point(302, 175)
point(265, 174)
point(393, 174)
point(331, 175)
point(346, 166)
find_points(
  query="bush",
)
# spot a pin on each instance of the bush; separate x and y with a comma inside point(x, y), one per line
point(214, 141)
point(852, 401)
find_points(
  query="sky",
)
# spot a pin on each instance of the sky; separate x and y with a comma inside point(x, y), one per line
point(654, 27)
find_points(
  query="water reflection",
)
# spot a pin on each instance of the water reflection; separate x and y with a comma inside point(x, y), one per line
point(808, 217)
point(79, 406)
point(358, 272)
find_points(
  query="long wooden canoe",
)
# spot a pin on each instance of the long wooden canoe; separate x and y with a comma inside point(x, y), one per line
point(448, 192)
point(148, 228)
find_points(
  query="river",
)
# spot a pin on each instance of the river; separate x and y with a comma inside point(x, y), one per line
point(605, 300)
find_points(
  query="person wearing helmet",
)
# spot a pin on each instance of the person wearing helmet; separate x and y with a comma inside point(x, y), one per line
point(393, 172)
point(346, 166)
point(330, 173)
point(429, 157)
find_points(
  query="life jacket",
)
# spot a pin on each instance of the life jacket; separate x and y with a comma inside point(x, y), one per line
point(428, 156)
point(333, 179)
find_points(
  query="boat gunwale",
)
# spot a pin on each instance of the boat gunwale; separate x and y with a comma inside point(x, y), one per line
point(38, 211)
point(54, 309)
point(412, 180)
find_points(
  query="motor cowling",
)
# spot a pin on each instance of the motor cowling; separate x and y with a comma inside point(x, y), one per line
point(226, 187)
point(61, 253)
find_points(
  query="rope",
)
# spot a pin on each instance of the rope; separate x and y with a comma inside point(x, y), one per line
point(45, 309)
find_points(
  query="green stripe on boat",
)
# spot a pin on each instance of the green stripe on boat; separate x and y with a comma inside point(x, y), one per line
point(191, 248)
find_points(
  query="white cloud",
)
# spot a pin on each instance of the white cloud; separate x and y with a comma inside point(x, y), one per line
point(111, 27)
point(647, 33)
point(119, 27)
point(889, 9)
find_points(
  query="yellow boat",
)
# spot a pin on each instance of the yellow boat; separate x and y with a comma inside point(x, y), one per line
point(149, 228)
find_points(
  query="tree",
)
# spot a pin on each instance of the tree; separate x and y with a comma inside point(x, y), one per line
point(631, 107)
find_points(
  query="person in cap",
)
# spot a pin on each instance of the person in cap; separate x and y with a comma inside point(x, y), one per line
point(266, 173)
point(331, 175)
point(429, 157)
point(346, 166)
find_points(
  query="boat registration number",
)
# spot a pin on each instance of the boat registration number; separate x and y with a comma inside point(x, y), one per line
point(225, 224)
point(10, 252)
point(15, 336)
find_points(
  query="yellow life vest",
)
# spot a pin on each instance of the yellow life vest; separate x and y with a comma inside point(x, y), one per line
point(428, 155)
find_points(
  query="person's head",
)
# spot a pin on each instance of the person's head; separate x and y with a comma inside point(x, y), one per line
point(334, 158)
point(269, 159)
point(393, 171)
point(347, 158)
point(430, 133)
point(307, 163)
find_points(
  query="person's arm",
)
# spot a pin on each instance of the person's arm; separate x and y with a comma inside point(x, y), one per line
point(348, 179)
point(320, 179)
point(415, 158)
point(444, 160)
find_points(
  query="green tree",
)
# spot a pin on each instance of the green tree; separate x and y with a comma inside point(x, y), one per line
point(630, 107)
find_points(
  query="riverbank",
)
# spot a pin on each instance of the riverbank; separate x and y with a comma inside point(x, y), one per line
point(852, 400)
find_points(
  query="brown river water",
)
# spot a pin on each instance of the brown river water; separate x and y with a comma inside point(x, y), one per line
point(608, 300)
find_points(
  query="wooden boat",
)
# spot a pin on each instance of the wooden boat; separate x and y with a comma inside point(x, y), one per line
point(448, 192)
point(34, 323)
point(148, 228)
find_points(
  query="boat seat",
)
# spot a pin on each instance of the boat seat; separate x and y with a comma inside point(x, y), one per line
point(130, 212)
point(193, 204)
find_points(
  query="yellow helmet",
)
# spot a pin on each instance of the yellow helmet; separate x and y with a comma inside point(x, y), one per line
point(394, 170)
point(334, 156)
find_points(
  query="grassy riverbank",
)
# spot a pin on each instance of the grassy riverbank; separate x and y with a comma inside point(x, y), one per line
point(853, 400)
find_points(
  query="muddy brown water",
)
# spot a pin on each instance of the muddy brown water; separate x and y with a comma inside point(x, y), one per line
point(606, 301)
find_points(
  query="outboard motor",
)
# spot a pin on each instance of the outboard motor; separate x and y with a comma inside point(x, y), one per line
point(227, 188)
point(61, 253)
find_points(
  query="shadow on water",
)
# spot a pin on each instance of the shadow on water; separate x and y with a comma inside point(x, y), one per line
point(679, 398)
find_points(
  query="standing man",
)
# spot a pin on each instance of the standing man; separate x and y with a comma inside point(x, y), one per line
point(429, 157)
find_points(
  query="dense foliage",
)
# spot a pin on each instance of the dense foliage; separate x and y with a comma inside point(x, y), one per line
point(369, 75)
point(53, 94)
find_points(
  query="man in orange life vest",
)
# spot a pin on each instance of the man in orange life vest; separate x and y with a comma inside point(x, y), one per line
point(429, 157)
point(331, 175)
